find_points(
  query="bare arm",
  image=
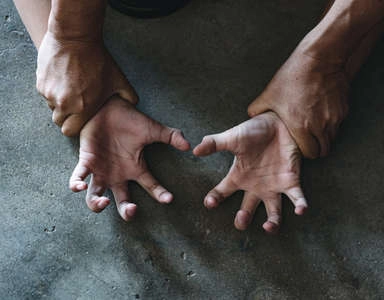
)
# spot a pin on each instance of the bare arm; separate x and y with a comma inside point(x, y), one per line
point(343, 29)
point(75, 72)
point(310, 91)
point(35, 16)
point(78, 20)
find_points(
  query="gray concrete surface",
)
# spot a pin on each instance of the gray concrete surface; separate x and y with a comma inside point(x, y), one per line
point(197, 70)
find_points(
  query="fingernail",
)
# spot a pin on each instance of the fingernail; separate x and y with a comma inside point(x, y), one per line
point(211, 202)
point(166, 197)
point(130, 210)
point(300, 210)
point(101, 204)
point(81, 186)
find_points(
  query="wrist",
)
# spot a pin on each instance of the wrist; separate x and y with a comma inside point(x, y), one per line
point(321, 48)
point(63, 33)
point(77, 20)
point(343, 29)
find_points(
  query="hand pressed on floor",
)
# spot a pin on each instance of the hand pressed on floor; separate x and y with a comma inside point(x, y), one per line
point(266, 164)
point(111, 149)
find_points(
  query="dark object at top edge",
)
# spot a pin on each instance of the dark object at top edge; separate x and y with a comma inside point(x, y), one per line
point(147, 8)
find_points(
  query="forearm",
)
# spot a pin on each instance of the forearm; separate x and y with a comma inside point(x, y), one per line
point(35, 16)
point(77, 20)
point(344, 29)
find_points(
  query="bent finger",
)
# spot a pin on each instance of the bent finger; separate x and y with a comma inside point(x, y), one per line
point(296, 195)
point(125, 208)
point(73, 124)
point(154, 188)
point(77, 181)
point(59, 117)
point(94, 198)
point(247, 210)
point(273, 207)
point(221, 191)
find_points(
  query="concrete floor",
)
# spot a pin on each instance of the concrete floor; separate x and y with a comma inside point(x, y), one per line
point(197, 70)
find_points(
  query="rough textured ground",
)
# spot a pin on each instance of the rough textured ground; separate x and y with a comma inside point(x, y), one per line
point(197, 70)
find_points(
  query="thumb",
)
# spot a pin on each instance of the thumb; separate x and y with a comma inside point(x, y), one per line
point(212, 143)
point(73, 125)
point(123, 88)
point(173, 137)
point(258, 106)
point(127, 92)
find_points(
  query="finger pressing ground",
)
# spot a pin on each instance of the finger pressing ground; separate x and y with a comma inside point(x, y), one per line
point(125, 208)
point(154, 188)
point(221, 191)
point(248, 207)
point(297, 197)
point(273, 207)
point(76, 182)
point(95, 199)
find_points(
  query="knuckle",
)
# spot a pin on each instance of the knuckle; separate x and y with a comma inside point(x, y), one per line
point(207, 138)
point(171, 132)
point(55, 119)
point(61, 103)
point(327, 117)
point(275, 218)
point(176, 131)
point(276, 212)
point(153, 186)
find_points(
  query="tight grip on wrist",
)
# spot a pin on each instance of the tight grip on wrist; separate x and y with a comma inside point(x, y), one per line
point(307, 143)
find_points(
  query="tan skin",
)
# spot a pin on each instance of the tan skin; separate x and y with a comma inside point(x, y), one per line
point(94, 78)
point(266, 165)
point(111, 149)
point(267, 160)
point(311, 98)
point(75, 72)
point(309, 92)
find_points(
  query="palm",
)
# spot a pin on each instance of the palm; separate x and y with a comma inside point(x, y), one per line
point(111, 148)
point(266, 164)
